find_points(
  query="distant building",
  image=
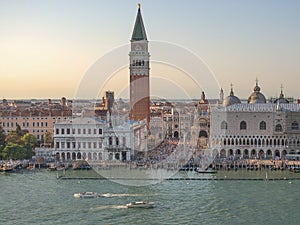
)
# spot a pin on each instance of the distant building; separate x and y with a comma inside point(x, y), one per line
point(256, 129)
point(38, 117)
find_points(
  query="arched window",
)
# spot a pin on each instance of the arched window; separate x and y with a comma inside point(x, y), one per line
point(278, 128)
point(262, 125)
point(295, 125)
point(243, 125)
point(224, 125)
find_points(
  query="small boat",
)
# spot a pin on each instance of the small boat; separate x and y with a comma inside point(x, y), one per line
point(86, 195)
point(141, 204)
point(198, 170)
point(52, 167)
point(8, 167)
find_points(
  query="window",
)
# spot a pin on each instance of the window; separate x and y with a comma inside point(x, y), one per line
point(89, 145)
point(57, 131)
point(57, 144)
point(83, 131)
point(89, 131)
point(68, 130)
point(110, 141)
point(95, 131)
point(243, 125)
point(117, 141)
point(94, 145)
point(68, 144)
point(62, 131)
point(78, 131)
point(100, 131)
point(124, 141)
point(278, 128)
point(295, 125)
point(224, 125)
point(262, 125)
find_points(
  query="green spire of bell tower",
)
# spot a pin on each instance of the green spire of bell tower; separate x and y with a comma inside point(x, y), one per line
point(139, 32)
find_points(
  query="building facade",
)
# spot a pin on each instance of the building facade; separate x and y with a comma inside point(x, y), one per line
point(256, 129)
point(93, 139)
point(36, 117)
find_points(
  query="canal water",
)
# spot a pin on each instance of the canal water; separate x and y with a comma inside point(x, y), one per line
point(223, 198)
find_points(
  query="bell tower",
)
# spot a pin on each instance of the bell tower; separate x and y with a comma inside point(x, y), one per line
point(139, 72)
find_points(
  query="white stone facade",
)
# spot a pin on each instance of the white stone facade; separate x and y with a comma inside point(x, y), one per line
point(264, 130)
point(92, 139)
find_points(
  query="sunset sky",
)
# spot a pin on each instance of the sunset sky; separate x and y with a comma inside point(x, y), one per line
point(47, 47)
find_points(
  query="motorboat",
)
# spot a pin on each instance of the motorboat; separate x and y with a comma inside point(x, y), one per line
point(140, 204)
point(199, 170)
point(86, 195)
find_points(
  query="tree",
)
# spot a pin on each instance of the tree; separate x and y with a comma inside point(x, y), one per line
point(14, 138)
point(2, 139)
point(19, 131)
point(30, 141)
point(14, 151)
point(2, 136)
point(48, 140)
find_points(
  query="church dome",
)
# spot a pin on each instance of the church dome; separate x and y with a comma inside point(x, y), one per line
point(231, 99)
point(256, 96)
point(281, 98)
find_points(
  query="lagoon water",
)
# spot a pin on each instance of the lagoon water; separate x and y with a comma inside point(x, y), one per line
point(41, 198)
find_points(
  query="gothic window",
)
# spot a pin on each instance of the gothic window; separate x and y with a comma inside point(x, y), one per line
point(110, 140)
point(224, 125)
point(262, 125)
point(243, 125)
point(295, 126)
point(278, 128)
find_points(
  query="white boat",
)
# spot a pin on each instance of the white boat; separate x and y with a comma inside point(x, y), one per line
point(86, 195)
point(141, 204)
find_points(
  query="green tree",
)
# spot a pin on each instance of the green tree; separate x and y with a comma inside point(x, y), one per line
point(48, 140)
point(14, 151)
point(19, 131)
point(14, 138)
point(30, 142)
point(2, 139)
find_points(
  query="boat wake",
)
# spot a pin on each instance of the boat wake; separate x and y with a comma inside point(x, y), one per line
point(110, 195)
point(109, 207)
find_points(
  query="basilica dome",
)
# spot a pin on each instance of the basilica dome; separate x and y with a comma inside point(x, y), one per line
point(281, 99)
point(256, 96)
point(231, 99)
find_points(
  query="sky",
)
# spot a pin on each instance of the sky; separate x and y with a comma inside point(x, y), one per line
point(48, 47)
